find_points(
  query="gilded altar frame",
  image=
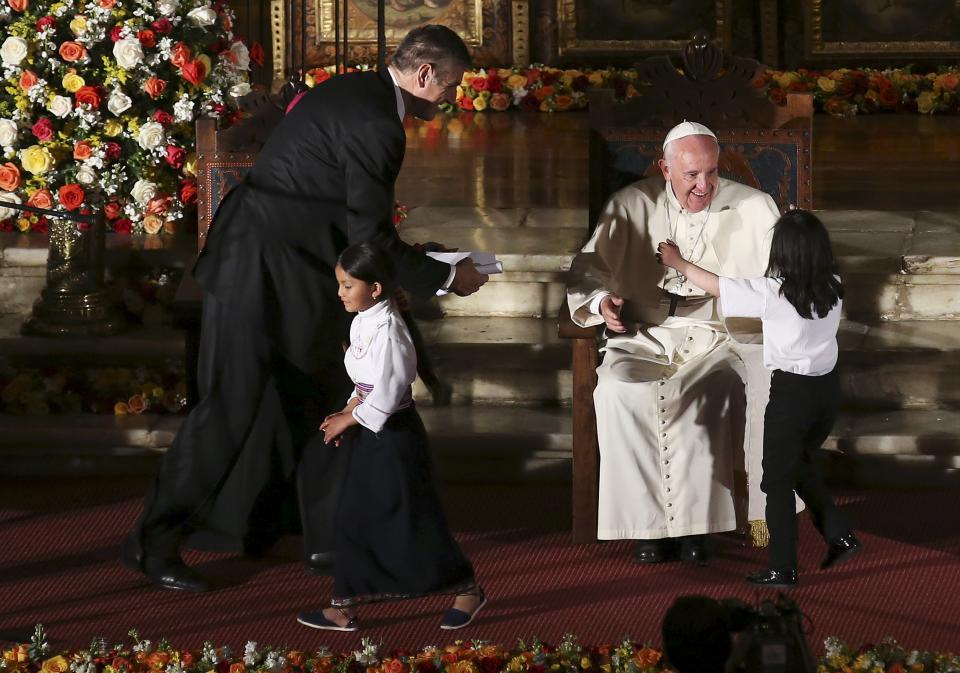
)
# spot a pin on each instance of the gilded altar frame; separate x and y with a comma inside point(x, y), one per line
point(822, 41)
point(572, 45)
point(463, 16)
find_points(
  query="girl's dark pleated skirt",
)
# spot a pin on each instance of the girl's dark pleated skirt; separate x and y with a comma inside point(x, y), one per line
point(392, 540)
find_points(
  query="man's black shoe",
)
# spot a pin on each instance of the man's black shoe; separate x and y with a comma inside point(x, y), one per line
point(840, 549)
point(321, 563)
point(654, 551)
point(174, 574)
point(774, 578)
point(132, 553)
point(693, 549)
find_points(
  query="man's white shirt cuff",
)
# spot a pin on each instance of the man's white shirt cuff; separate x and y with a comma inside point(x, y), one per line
point(595, 302)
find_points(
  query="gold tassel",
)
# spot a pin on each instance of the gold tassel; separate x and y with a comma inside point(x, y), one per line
point(759, 533)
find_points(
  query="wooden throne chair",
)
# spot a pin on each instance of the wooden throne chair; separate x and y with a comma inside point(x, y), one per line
point(762, 145)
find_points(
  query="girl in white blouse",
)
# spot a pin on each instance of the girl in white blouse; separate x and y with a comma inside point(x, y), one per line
point(799, 303)
point(392, 540)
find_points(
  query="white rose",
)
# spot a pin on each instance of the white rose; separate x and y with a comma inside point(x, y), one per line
point(8, 132)
point(202, 16)
point(240, 55)
point(14, 50)
point(86, 175)
point(128, 52)
point(151, 135)
point(9, 197)
point(60, 106)
point(240, 90)
point(119, 102)
point(143, 191)
point(168, 7)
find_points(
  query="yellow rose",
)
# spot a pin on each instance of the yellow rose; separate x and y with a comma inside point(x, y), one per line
point(517, 81)
point(926, 102)
point(23, 224)
point(459, 92)
point(785, 79)
point(826, 84)
point(480, 103)
point(596, 77)
point(203, 58)
point(72, 82)
point(55, 664)
point(112, 128)
point(37, 160)
point(19, 654)
point(585, 663)
point(79, 25)
point(152, 224)
point(190, 165)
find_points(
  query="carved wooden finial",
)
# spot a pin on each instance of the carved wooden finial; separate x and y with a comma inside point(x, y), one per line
point(702, 58)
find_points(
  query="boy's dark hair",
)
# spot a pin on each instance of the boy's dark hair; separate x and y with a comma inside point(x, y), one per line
point(800, 255)
point(366, 262)
point(696, 635)
point(434, 44)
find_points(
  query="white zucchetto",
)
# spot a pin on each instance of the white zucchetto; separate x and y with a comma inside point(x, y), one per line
point(684, 129)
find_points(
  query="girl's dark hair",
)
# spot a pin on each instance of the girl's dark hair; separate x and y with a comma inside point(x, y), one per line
point(366, 262)
point(801, 256)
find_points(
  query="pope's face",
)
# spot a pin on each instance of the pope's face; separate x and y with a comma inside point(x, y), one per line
point(690, 166)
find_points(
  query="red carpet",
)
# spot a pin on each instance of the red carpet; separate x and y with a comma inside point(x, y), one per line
point(59, 542)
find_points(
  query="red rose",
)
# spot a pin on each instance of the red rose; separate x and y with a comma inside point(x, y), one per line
point(163, 117)
point(548, 78)
point(115, 33)
point(112, 210)
point(188, 192)
point(72, 51)
point(175, 156)
point(154, 87)
point(147, 38)
point(112, 150)
point(179, 55)
point(163, 26)
point(889, 97)
point(479, 83)
point(494, 84)
point(466, 103)
point(194, 71)
point(43, 129)
point(46, 22)
point(7, 224)
point(532, 75)
point(88, 95)
point(256, 54)
point(581, 83)
point(71, 196)
point(40, 226)
point(122, 226)
point(778, 96)
point(218, 109)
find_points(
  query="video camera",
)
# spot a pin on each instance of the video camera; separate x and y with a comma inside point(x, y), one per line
point(771, 637)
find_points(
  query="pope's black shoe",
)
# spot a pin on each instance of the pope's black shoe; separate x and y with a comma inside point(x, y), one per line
point(321, 563)
point(655, 551)
point(165, 573)
point(774, 578)
point(693, 549)
point(840, 549)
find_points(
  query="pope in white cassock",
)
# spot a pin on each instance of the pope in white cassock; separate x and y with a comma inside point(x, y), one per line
point(673, 420)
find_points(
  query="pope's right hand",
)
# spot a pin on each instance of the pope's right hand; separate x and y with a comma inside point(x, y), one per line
point(610, 309)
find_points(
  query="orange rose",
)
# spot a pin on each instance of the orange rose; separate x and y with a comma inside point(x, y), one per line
point(296, 658)
point(394, 666)
point(647, 657)
point(82, 150)
point(112, 210)
point(949, 81)
point(158, 205)
point(88, 95)
point(71, 196)
point(324, 665)
point(179, 55)
point(194, 71)
point(237, 667)
point(564, 102)
point(72, 51)
point(27, 80)
point(108, 4)
point(155, 87)
point(499, 102)
point(42, 198)
point(18, 5)
point(543, 92)
point(9, 177)
point(120, 409)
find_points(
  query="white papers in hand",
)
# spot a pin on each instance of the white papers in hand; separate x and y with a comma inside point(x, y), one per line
point(486, 262)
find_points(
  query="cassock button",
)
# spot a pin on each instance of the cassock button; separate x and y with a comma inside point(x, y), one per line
point(663, 422)
point(671, 518)
point(663, 411)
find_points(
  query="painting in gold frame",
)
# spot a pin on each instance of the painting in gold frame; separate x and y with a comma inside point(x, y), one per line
point(463, 16)
point(589, 27)
point(876, 28)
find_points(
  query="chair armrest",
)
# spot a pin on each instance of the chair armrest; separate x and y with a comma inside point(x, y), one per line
point(566, 329)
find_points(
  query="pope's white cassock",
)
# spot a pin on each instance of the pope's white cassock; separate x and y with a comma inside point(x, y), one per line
point(671, 418)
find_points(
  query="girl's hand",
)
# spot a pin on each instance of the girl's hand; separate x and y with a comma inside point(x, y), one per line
point(335, 425)
point(668, 254)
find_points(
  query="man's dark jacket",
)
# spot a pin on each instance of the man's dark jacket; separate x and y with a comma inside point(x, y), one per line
point(324, 180)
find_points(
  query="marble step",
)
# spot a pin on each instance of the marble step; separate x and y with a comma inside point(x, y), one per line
point(474, 444)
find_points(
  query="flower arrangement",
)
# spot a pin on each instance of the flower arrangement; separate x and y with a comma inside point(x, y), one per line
point(99, 102)
point(845, 92)
point(477, 656)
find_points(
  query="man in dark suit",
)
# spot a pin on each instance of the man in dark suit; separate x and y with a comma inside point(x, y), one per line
point(272, 324)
